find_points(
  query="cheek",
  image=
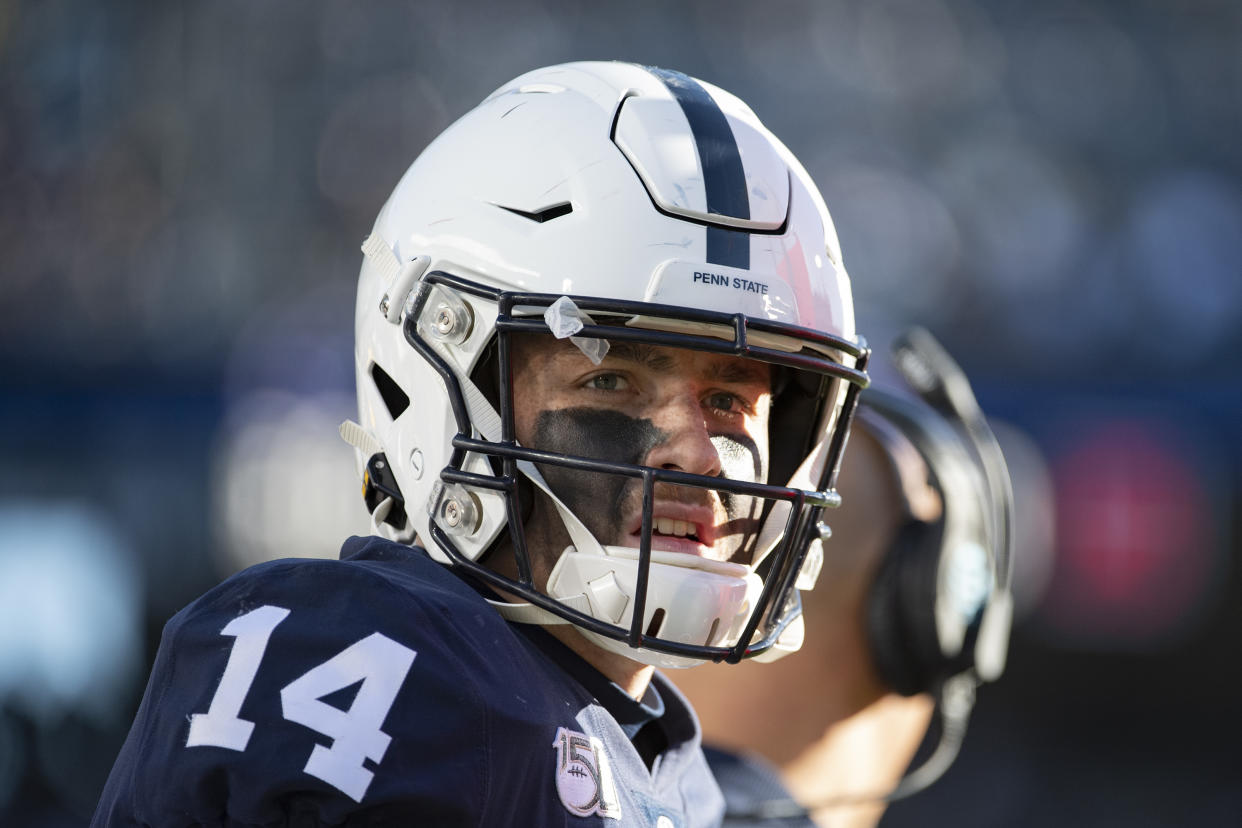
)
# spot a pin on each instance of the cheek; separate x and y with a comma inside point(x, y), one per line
point(531, 387)
point(741, 458)
point(525, 410)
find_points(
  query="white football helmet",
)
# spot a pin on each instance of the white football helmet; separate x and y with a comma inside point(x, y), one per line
point(666, 213)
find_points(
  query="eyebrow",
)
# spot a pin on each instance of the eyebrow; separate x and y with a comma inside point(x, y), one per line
point(729, 369)
point(741, 370)
point(641, 353)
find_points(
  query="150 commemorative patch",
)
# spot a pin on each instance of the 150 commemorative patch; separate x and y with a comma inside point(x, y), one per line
point(583, 777)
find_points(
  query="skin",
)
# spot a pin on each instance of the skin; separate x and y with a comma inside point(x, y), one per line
point(822, 715)
point(667, 408)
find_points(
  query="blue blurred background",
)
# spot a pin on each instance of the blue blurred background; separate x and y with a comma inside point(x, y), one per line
point(1052, 188)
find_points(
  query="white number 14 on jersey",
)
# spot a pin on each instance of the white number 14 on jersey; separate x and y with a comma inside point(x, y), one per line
point(380, 663)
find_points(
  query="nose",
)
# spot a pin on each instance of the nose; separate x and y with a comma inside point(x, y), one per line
point(687, 445)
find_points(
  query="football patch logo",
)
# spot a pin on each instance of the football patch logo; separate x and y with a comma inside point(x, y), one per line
point(583, 777)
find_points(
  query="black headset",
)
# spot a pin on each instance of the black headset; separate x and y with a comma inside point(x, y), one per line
point(941, 603)
point(941, 606)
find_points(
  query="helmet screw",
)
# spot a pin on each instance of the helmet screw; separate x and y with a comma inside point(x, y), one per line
point(446, 320)
point(456, 510)
point(452, 513)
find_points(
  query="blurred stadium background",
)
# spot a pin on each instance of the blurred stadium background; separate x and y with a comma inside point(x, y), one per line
point(1054, 189)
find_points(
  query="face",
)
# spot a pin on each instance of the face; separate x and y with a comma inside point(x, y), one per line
point(668, 408)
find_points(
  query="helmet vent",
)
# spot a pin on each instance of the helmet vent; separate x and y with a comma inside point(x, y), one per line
point(657, 621)
point(546, 214)
point(395, 400)
point(711, 634)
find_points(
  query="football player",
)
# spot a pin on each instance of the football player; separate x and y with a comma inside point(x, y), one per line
point(606, 367)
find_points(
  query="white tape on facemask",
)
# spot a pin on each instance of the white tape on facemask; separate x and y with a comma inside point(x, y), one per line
point(565, 319)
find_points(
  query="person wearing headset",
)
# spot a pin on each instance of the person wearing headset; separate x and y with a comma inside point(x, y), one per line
point(907, 617)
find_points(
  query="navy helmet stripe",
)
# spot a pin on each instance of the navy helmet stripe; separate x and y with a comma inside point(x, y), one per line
point(724, 179)
point(728, 247)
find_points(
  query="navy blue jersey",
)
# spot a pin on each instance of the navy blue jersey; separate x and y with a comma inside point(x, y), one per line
point(382, 690)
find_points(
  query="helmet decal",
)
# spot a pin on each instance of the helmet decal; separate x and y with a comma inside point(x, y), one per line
point(724, 180)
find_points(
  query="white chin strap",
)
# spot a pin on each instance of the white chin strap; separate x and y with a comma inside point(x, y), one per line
point(367, 445)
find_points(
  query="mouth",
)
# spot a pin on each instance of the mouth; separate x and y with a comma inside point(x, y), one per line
point(675, 527)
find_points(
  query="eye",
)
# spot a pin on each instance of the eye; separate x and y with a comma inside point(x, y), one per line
point(607, 382)
point(722, 401)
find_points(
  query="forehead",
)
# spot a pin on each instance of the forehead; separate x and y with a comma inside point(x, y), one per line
point(561, 355)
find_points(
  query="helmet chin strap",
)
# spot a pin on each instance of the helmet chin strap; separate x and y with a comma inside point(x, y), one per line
point(486, 420)
point(387, 530)
point(367, 446)
point(581, 539)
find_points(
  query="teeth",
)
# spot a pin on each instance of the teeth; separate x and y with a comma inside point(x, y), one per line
point(668, 526)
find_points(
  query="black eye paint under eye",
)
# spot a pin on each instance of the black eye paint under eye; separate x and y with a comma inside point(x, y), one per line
point(606, 434)
point(601, 434)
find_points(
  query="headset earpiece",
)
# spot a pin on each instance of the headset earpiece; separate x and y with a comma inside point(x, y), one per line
point(901, 624)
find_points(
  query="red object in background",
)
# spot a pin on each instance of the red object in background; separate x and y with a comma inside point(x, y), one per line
point(1136, 542)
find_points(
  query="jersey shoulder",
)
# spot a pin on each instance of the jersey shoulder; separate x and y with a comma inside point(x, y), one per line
point(330, 688)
